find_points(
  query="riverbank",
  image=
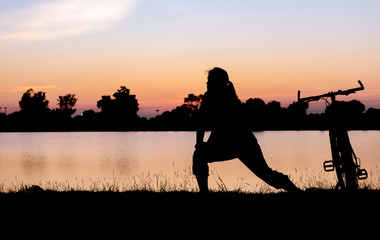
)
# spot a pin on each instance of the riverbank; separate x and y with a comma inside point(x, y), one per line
point(148, 214)
point(169, 203)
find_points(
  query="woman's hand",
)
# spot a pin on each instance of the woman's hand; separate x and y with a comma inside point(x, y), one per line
point(200, 145)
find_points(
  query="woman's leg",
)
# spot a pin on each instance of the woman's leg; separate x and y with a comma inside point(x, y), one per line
point(204, 154)
point(200, 169)
point(254, 160)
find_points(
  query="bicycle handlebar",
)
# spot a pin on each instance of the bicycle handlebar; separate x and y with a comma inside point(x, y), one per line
point(330, 94)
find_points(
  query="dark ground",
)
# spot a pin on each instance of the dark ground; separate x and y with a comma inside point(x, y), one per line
point(164, 213)
point(172, 203)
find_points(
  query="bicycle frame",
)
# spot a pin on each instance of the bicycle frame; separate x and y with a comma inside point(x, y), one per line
point(344, 160)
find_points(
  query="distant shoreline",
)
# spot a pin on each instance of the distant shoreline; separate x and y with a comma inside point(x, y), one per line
point(162, 130)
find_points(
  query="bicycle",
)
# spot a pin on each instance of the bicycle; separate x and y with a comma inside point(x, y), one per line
point(344, 160)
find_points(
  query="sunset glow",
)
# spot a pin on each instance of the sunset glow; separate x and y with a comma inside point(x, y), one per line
point(161, 50)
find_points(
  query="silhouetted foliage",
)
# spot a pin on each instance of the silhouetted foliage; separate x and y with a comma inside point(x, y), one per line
point(180, 118)
point(119, 112)
point(34, 105)
point(298, 109)
point(349, 114)
point(35, 114)
point(255, 111)
point(345, 110)
point(297, 114)
point(193, 101)
point(66, 104)
point(256, 104)
point(89, 114)
point(106, 105)
point(372, 118)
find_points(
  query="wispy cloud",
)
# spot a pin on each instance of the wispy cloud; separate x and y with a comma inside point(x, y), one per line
point(24, 88)
point(63, 18)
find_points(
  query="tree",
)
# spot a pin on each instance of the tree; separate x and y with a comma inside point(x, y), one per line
point(297, 115)
point(255, 110)
point(342, 109)
point(122, 108)
point(105, 105)
point(89, 114)
point(67, 102)
point(274, 107)
point(126, 103)
point(347, 114)
point(255, 106)
point(34, 104)
point(298, 109)
point(193, 101)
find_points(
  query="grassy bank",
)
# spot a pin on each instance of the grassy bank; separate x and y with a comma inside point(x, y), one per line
point(183, 213)
point(153, 196)
point(325, 199)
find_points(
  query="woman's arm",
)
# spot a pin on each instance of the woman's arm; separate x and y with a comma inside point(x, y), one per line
point(201, 120)
point(200, 136)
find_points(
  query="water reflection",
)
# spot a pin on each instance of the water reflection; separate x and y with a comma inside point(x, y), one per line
point(73, 156)
point(33, 165)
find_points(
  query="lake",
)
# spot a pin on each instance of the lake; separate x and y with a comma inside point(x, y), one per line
point(83, 160)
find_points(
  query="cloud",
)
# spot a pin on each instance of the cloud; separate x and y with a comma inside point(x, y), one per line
point(25, 88)
point(63, 18)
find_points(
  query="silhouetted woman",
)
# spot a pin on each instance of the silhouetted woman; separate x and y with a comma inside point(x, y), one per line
point(230, 136)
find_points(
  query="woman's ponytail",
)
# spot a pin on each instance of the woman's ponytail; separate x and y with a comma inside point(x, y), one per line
point(232, 91)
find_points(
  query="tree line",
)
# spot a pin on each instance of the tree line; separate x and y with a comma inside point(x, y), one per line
point(119, 112)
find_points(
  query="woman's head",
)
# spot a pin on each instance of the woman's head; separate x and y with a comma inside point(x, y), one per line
point(219, 84)
point(217, 79)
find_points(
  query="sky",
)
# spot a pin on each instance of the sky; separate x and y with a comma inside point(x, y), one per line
point(161, 49)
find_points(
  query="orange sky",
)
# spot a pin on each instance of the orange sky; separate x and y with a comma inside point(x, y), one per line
point(162, 49)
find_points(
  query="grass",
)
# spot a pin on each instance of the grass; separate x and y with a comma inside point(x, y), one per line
point(182, 180)
point(160, 204)
point(165, 206)
point(156, 200)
